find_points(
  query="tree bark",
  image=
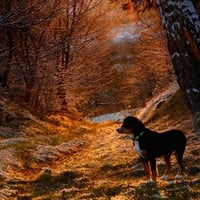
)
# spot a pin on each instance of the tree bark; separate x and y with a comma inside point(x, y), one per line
point(10, 47)
point(182, 27)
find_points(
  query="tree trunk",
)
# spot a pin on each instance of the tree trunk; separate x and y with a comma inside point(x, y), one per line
point(4, 76)
point(182, 27)
point(10, 48)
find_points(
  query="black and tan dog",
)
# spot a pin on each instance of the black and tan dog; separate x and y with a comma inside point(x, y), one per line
point(150, 145)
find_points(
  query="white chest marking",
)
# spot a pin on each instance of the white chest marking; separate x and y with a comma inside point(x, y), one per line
point(137, 149)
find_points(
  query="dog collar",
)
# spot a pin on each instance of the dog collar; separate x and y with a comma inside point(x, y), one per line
point(138, 137)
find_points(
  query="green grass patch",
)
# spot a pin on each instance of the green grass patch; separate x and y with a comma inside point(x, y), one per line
point(47, 183)
point(106, 191)
point(168, 191)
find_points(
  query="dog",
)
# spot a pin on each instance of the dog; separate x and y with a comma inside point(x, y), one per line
point(149, 145)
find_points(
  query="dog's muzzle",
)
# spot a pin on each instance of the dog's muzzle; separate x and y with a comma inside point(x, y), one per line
point(121, 129)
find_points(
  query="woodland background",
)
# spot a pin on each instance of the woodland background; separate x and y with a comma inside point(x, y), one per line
point(65, 62)
point(62, 55)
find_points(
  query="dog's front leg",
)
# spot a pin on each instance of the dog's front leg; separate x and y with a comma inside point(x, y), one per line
point(146, 168)
point(153, 168)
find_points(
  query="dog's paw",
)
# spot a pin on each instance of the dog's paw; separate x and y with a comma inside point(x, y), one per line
point(150, 181)
point(164, 177)
point(178, 177)
point(171, 182)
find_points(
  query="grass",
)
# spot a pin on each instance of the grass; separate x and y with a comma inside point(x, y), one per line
point(48, 183)
point(170, 191)
point(105, 168)
point(66, 187)
point(84, 184)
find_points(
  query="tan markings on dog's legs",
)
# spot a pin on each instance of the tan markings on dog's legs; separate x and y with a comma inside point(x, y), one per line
point(168, 167)
point(147, 169)
point(179, 173)
point(180, 167)
point(154, 175)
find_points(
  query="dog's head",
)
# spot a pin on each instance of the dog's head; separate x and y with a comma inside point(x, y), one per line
point(131, 125)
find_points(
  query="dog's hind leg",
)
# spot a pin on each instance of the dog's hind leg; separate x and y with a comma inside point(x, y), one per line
point(168, 166)
point(179, 151)
point(179, 158)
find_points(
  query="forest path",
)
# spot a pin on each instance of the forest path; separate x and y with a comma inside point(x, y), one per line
point(101, 165)
point(110, 169)
point(107, 164)
point(106, 146)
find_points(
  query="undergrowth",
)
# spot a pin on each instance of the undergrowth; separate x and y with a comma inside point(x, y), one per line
point(176, 108)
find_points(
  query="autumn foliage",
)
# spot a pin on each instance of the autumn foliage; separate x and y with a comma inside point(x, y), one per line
point(63, 55)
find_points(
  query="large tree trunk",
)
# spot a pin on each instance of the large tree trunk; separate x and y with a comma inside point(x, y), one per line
point(182, 26)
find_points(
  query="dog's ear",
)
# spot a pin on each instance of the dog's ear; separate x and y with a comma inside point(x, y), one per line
point(128, 123)
point(137, 125)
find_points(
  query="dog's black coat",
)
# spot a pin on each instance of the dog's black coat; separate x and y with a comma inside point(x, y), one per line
point(155, 144)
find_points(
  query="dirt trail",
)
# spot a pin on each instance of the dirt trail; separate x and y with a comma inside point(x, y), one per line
point(105, 168)
point(106, 147)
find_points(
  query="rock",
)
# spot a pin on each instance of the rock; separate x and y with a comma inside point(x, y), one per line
point(12, 141)
point(7, 132)
point(9, 164)
point(70, 147)
point(45, 153)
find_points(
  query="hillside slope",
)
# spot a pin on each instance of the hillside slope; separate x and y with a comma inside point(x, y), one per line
point(64, 157)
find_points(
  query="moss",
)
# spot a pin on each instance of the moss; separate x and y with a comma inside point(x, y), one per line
point(106, 191)
point(47, 183)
